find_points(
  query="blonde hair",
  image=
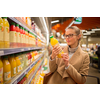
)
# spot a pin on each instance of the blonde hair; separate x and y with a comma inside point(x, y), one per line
point(77, 31)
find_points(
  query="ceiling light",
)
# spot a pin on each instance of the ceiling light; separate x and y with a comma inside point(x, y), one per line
point(84, 36)
point(55, 21)
point(88, 33)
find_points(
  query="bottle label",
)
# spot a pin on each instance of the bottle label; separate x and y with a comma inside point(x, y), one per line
point(14, 70)
point(1, 32)
point(1, 75)
point(7, 76)
point(6, 33)
point(18, 37)
point(19, 68)
point(12, 36)
point(21, 39)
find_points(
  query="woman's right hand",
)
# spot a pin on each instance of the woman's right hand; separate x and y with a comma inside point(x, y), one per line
point(55, 51)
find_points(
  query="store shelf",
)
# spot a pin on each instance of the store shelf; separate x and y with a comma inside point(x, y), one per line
point(18, 22)
point(16, 50)
point(35, 72)
point(16, 79)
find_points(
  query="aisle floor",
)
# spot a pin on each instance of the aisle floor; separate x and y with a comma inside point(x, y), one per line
point(93, 72)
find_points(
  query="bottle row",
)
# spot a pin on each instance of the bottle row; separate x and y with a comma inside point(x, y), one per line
point(14, 36)
point(13, 64)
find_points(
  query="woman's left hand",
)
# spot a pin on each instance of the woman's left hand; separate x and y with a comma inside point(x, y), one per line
point(65, 57)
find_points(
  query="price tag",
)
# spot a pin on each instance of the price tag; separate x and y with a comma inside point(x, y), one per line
point(28, 48)
point(1, 52)
point(22, 49)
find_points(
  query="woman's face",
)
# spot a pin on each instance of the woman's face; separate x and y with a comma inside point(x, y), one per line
point(71, 37)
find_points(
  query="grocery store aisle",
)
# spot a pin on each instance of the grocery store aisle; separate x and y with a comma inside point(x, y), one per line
point(93, 72)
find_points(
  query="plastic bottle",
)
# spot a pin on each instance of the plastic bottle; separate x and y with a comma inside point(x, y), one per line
point(1, 71)
point(6, 69)
point(13, 65)
point(25, 37)
point(21, 39)
point(22, 60)
point(13, 35)
point(18, 40)
point(53, 42)
point(1, 33)
point(18, 62)
point(6, 32)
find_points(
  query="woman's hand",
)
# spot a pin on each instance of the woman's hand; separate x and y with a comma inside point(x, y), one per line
point(65, 57)
point(56, 49)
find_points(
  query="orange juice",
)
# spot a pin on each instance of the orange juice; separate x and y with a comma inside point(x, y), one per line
point(1, 33)
point(13, 65)
point(18, 62)
point(53, 42)
point(6, 69)
point(6, 32)
point(1, 72)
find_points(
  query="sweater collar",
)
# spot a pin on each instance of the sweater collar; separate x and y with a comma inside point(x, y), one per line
point(72, 50)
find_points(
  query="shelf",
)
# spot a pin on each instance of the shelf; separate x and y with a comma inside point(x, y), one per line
point(35, 73)
point(18, 22)
point(16, 79)
point(16, 50)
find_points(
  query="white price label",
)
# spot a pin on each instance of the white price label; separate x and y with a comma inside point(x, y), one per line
point(22, 49)
point(1, 52)
point(28, 48)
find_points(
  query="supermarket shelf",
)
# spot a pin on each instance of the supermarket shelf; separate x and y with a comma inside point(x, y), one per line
point(35, 73)
point(18, 22)
point(16, 79)
point(16, 50)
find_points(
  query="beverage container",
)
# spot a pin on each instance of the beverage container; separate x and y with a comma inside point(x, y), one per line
point(13, 65)
point(1, 33)
point(1, 71)
point(18, 62)
point(54, 42)
point(21, 39)
point(18, 37)
point(13, 35)
point(6, 32)
point(6, 69)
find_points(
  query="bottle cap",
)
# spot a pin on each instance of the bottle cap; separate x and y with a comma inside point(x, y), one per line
point(12, 23)
point(51, 37)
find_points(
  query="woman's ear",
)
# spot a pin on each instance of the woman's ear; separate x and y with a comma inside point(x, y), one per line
point(79, 36)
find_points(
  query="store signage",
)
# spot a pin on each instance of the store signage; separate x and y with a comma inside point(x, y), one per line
point(78, 20)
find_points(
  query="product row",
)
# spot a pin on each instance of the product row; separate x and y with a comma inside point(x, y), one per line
point(29, 75)
point(14, 36)
point(13, 64)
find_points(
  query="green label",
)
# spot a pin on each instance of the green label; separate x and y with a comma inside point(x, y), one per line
point(0, 27)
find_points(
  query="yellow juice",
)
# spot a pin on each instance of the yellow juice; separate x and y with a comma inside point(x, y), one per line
point(18, 62)
point(1, 33)
point(1, 72)
point(13, 65)
point(6, 32)
point(53, 42)
point(6, 69)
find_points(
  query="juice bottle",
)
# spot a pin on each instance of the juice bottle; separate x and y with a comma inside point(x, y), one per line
point(21, 60)
point(18, 40)
point(12, 35)
point(1, 72)
point(13, 65)
point(24, 59)
point(21, 39)
point(53, 42)
point(1, 33)
point(18, 62)
point(6, 32)
point(25, 37)
point(6, 69)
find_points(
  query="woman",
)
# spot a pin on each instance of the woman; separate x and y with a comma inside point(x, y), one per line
point(74, 62)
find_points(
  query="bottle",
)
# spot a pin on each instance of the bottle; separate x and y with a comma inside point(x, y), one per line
point(22, 60)
point(18, 62)
point(1, 33)
point(1, 71)
point(21, 39)
point(6, 32)
point(53, 42)
point(26, 58)
point(13, 65)
point(25, 37)
point(12, 35)
point(18, 40)
point(6, 69)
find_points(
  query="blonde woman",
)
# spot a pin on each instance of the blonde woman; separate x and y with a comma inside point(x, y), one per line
point(74, 62)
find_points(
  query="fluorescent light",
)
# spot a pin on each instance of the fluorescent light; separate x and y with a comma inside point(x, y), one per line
point(84, 36)
point(46, 30)
point(88, 33)
point(95, 29)
point(55, 21)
